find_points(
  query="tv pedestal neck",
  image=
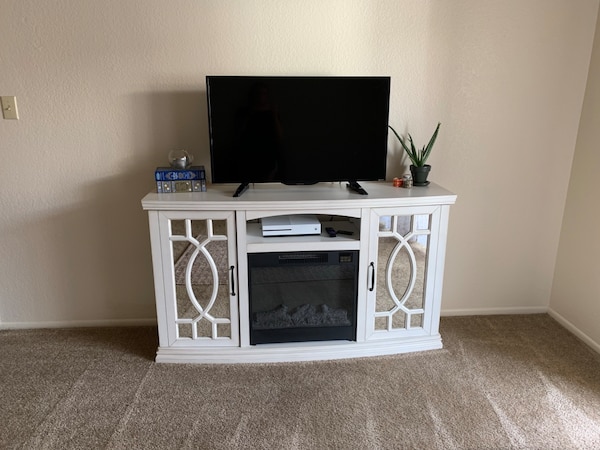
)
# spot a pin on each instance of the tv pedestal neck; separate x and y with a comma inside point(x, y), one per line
point(201, 241)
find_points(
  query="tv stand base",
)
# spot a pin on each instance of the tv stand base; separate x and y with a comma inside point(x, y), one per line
point(352, 185)
point(298, 351)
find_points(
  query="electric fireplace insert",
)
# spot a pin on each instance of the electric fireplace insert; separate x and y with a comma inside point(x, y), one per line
point(302, 296)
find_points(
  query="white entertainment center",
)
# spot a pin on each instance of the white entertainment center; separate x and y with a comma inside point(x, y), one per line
point(201, 242)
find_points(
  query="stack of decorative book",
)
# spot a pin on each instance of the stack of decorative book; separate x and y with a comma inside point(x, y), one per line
point(169, 179)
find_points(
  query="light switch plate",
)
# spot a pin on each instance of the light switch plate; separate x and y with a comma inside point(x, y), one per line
point(9, 107)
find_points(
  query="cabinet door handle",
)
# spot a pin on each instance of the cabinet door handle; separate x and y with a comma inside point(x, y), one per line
point(372, 268)
point(232, 269)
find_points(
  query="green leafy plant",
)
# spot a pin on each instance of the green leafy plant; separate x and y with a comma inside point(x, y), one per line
point(417, 157)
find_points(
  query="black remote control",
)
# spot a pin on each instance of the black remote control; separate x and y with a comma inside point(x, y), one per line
point(349, 233)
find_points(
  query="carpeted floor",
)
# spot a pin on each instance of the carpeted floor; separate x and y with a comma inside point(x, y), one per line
point(500, 382)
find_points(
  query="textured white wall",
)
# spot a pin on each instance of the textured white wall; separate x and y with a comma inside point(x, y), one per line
point(106, 88)
point(576, 290)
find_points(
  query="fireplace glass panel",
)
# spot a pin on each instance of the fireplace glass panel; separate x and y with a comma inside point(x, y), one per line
point(302, 296)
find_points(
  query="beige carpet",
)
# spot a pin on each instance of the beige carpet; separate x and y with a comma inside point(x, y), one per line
point(501, 382)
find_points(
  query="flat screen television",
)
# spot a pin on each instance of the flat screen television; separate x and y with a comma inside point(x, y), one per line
point(297, 130)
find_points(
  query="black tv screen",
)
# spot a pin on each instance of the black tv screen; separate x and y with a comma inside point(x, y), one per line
point(297, 130)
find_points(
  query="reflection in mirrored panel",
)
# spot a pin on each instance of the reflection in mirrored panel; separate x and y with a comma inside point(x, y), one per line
point(201, 272)
point(401, 265)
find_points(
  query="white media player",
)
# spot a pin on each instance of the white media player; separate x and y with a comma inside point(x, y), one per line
point(293, 225)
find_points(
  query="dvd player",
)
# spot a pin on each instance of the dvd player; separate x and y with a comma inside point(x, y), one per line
point(293, 225)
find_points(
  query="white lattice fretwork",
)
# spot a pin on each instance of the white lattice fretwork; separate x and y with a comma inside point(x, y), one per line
point(400, 301)
point(201, 307)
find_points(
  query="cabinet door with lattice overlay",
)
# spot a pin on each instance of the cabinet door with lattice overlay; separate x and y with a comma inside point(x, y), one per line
point(199, 274)
point(401, 292)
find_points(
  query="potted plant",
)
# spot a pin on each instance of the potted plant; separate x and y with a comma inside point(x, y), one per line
point(418, 168)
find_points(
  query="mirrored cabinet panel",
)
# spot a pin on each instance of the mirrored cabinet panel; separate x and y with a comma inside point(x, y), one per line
point(203, 280)
point(399, 298)
point(401, 259)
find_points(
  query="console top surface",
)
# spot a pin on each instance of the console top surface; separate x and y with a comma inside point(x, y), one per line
point(279, 196)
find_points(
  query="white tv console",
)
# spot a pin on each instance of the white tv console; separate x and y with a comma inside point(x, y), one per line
point(200, 242)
